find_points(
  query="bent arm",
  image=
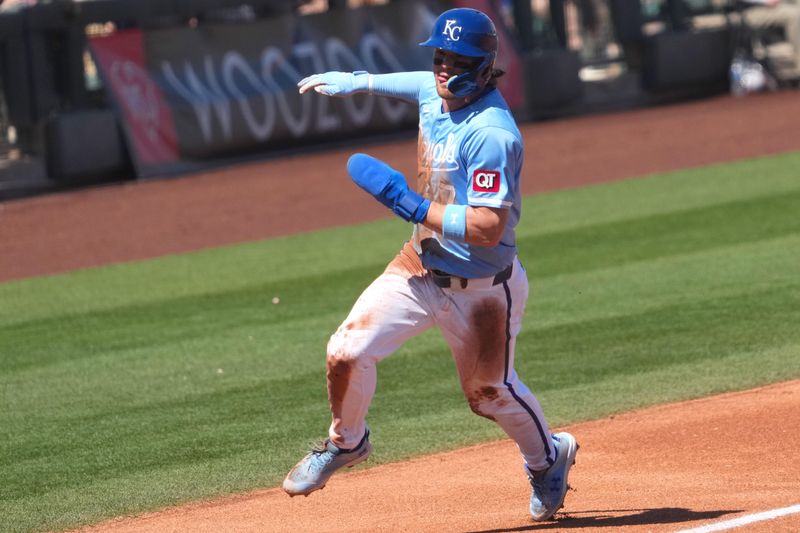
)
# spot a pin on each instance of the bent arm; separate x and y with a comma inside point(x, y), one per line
point(476, 225)
point(484, 225)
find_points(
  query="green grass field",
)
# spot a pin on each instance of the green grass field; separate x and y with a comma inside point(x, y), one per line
point(137, 386)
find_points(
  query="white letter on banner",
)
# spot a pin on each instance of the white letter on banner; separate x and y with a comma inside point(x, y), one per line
point(202, 98)
point(272, 57)
point(336, 49)
point(234, 61)
point(370, 45)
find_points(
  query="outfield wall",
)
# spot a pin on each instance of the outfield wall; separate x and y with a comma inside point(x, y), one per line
point(115, 89)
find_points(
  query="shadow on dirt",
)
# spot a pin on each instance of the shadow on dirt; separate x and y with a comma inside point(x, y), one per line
point(617, 518)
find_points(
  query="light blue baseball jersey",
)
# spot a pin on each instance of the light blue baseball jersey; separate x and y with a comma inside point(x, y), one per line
point(472, 156)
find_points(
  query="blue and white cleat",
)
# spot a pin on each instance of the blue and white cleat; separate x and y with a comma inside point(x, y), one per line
point(550, 486)
point(314, 470)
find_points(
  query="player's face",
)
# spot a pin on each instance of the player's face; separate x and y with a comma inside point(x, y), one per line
point(448, 64)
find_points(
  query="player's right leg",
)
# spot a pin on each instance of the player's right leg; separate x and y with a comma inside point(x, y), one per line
point(314, 470)
point(390, 311)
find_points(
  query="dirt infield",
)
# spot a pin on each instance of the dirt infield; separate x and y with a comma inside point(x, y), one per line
point(661, 469)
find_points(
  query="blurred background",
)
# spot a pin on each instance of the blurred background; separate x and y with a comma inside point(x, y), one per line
point(99, 91)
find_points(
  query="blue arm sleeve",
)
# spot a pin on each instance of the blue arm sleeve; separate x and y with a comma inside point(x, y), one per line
point(403, 85)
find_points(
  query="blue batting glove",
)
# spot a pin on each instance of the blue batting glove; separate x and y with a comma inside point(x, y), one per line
point(336, 83)
point(388, 186)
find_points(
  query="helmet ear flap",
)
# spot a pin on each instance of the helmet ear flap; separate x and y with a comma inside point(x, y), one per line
point(467, 84)
point(486, 72)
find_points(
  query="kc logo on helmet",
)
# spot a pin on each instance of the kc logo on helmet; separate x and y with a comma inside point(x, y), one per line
point(452, 32)
point(486, 181)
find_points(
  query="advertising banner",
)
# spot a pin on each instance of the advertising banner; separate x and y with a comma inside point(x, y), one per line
point(188, 96)
point(145, 112)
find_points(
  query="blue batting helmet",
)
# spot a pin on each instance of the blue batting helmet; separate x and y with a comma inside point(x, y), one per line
point(467, 32)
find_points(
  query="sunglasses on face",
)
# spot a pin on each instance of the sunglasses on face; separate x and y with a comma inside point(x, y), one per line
point(463, 64)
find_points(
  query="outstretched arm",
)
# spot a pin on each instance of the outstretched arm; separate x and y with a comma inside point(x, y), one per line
point(403, 85)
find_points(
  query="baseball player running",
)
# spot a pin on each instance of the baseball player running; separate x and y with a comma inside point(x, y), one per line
point(458, 271)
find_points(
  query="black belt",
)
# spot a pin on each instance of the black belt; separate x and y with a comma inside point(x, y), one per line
point(445, 280)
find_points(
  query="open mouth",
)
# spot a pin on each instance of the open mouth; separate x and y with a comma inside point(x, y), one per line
point(442, 79)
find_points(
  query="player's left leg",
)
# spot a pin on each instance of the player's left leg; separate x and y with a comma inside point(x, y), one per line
point(481, 329)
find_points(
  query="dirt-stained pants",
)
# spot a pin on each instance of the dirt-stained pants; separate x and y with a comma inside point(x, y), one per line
point(479, 323)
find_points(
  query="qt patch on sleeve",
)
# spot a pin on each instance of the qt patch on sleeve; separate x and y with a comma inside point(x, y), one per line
point(486, 181)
